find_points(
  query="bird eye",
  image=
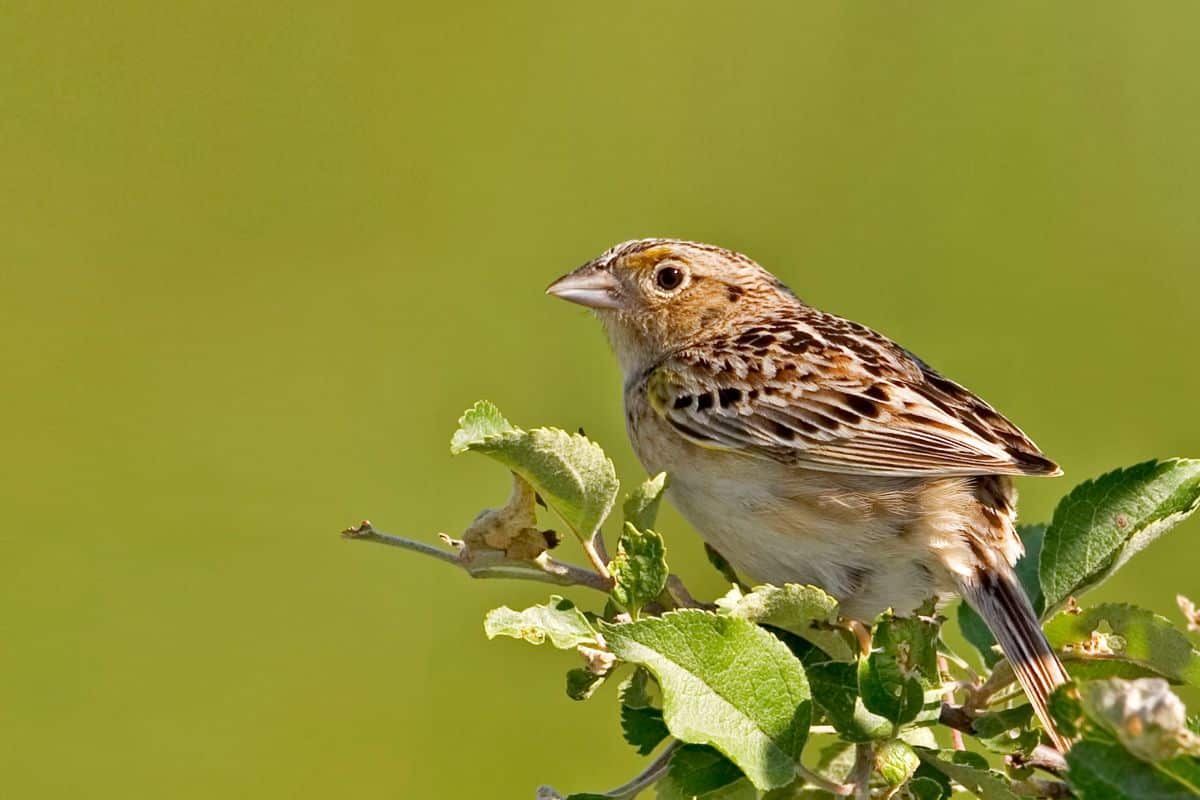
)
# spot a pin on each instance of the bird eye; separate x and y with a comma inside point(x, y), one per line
point(669, 278)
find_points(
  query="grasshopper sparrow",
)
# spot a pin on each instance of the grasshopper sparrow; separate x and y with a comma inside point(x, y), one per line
point(810, 449)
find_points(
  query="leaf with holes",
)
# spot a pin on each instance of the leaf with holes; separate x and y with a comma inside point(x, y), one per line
point(1117, 634)
point(559, 621)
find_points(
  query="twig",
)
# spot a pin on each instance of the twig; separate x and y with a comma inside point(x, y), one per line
point(597, 554)
point(1043, 757)
point(643, 780)
point(486, 563)
point(956, 737)
point(816, 779)
point(864, 763)
point(681, 596)
point(1039, 788)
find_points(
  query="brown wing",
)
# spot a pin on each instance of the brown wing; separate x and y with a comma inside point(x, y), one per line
point(828, 394)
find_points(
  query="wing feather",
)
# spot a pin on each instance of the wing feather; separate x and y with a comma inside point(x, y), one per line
point(851, 402)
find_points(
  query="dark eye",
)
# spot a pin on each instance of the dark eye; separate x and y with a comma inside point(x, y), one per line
point(669, 278)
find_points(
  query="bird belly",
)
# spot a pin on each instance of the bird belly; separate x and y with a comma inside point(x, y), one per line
point(864, 540)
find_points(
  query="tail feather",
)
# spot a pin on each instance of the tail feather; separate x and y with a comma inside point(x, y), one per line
point(1001, 602)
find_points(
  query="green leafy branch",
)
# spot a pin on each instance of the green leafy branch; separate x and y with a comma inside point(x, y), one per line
point(767, 693)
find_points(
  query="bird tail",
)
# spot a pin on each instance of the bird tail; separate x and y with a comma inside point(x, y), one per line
point(998, 598)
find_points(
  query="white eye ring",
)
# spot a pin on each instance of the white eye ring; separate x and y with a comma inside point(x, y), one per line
point(668, 277)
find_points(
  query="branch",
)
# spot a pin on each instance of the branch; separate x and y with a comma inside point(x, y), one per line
point(1043, 757)
point(642, 781)
point(488, 563)
point(864, 764)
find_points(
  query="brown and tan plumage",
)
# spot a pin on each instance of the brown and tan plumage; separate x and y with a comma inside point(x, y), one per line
point(811, 449)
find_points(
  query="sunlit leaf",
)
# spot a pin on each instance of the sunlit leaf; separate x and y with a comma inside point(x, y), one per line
point(1102, 523)
point(641, 507)
point(725, 682)
point(639, 568)
point(559, 621)
point(569, 471)
point(1121, 632)
point(805, 611)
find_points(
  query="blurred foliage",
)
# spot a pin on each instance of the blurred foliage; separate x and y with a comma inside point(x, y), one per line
point(256, 255)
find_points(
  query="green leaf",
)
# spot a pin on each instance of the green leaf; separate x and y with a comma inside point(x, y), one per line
point(805, 611)
point(476, 424)
point(1008, 731)
point(643, 728)
point(1122, 632)
point(639, 568)
point(569, 471)
point(641, 723)
point(725, 682)
point(903, 663)
point(835, 691)
point(641, 507)
point(582, 683)
point(1066, 710)
point(923, 788)
point(970, 770)
point(634, 691)
point(1101, 769)
point(896, 762)
point(972, 625)
point(697, 772)
point(559, 621)
point(1102, 523)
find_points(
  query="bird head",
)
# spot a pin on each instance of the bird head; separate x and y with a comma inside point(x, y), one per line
point(655, 296)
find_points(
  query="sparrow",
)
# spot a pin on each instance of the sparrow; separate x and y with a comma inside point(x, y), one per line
point(806, 448)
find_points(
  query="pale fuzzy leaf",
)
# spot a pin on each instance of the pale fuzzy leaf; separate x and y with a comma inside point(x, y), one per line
point(970, 770)
point(559, 621)
point(639, 568)
point(725, 682)
point(1102, 523)
point(1145, 716)
point(641, 507)
point(803, 610)
point(1118, 631)
point(570, 472)
point(697, 772)
point(476, 424)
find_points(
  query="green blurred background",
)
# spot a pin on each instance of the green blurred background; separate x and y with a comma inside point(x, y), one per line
point(257, 257)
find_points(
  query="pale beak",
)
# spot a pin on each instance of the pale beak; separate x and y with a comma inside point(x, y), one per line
point(589, 286)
